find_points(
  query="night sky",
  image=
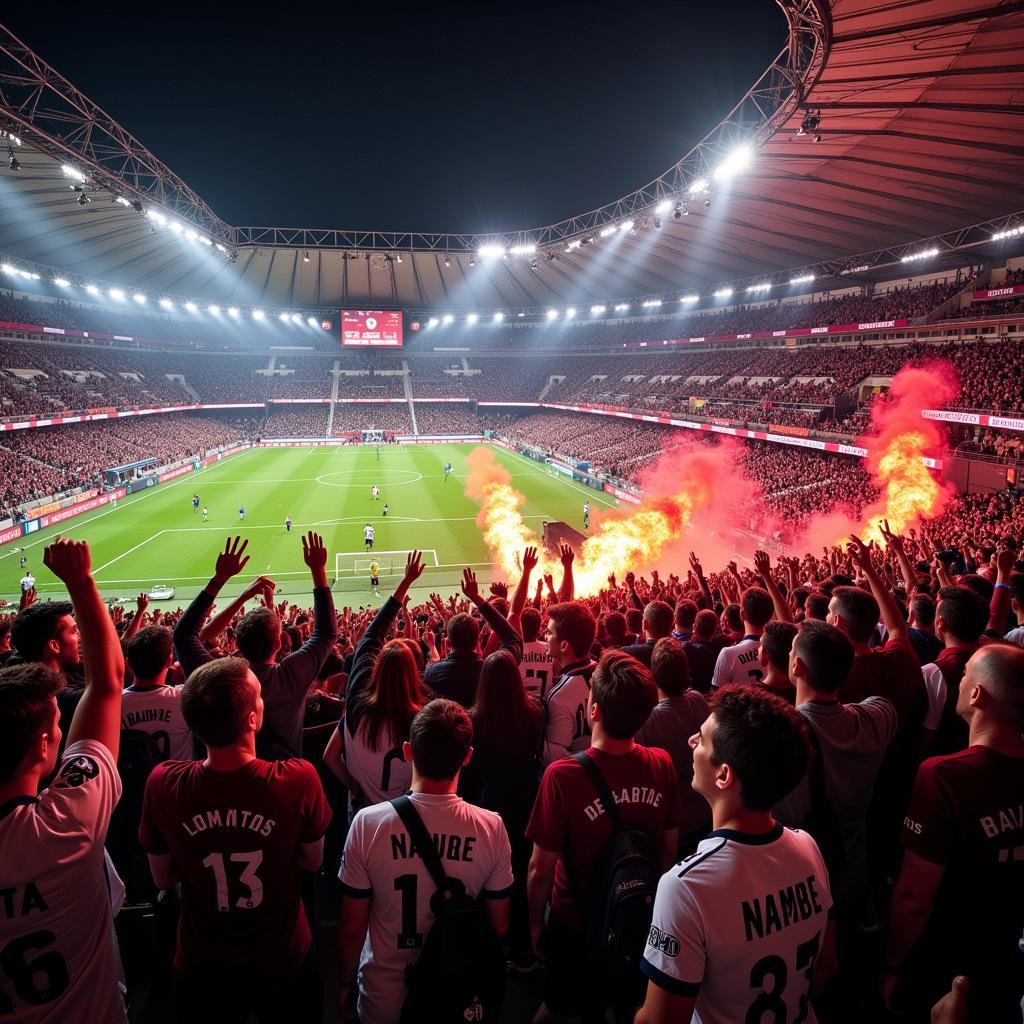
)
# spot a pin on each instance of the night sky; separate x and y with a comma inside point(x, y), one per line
point(493, 117)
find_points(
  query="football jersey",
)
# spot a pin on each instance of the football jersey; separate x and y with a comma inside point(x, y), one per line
point(381, 774)
point(58, 958)
point(739, 663)
point(381, 864)
point(566, 730)
point(739, 924)
point(235, 837)
point(368, 532)
point(157, 711)
point(536, 668)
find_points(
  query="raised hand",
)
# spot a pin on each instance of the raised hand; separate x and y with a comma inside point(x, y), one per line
point(762, 564)
point(631, 580)
point(861, 554)
point(530, 560)
point(414, 567)
point(469, 586)
point(314, 551)
point(565, 555)
point(141, 603)
point(696, 566)
point(892, 540)
point(1005, 559)
point(230, 561)
point(499, 589)
point(69, 561)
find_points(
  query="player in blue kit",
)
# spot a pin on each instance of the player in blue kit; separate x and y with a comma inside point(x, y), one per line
point(447, 470)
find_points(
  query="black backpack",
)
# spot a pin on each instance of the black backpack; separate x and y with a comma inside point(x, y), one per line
point(617, 914)
point(460, 973)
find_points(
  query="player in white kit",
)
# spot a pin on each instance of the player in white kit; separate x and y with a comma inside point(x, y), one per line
point(58, 955)
point(741, 928)
point(368, 533)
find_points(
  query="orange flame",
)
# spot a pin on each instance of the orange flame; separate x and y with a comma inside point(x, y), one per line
point(897, 448)
point(621, 542)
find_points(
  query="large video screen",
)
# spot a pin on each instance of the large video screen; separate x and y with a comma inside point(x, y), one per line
point(371, 328)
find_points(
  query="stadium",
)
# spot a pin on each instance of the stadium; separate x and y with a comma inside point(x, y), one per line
point(785, 375)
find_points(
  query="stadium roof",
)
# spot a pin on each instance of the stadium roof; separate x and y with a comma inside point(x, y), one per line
point(921, 134)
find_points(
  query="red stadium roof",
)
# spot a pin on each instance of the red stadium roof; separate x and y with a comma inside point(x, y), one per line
point(921, 125)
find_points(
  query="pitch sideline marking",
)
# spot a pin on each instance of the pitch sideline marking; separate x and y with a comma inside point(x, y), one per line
point(124, 554)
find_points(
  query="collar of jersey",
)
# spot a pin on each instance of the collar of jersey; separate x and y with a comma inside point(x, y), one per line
point(433, 798)
point(749, 637)
point(573, 669)
point(746, 838)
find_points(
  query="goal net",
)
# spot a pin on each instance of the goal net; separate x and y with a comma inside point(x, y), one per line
point(356, 564)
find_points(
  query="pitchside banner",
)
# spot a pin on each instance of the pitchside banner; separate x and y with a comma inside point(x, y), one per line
point(374, 328)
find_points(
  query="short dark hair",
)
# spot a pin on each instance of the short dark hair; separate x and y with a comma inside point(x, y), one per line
point(1017, 587)
point(658, 618)
point(258, 635)
point(981, 586)
point(733, 617)
point(763, 740)
point(440, 736)
point(922, 608)
point(530, 621)
point(964, 613)
point(816, 605)
point(859, 611)
point(706, 624)
point(623, 688)
point(685, 614)
point(216, 701)
point(615, 626)
point(576, 625)
point(777, 639)
point(634, 619)
point(149, 651)
point(35, 625)
point(26, 710)
point(463, 632)
point(669, 666)
point(757, 607)
point(826, 654)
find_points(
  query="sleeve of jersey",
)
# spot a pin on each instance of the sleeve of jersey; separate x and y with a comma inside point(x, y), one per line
point(935, 684)
point(77, 805)
point(676, 953)
point(927, 828)
point(559, 731)
point(353, 874)
point(151, 838)
point(546, 827)
point(500, 881)
point(720, 675)
point(317, 814)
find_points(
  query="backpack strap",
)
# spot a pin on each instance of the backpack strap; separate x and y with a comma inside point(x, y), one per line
point(423, 842)
point(597, 780)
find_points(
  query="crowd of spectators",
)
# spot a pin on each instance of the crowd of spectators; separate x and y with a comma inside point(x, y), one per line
point(352, 417)
point(449, 418)
point(296, 421)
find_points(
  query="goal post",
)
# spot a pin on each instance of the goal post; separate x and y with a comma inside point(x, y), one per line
point(350, 564)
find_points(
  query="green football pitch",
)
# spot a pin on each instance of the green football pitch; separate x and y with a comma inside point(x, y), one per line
point(155, 537)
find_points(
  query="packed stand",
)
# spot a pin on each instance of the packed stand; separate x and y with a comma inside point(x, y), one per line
point(353, 417)
point(296, 421)
point(445, 418)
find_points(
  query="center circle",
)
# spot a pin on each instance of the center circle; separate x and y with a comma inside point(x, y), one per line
point(384, 476)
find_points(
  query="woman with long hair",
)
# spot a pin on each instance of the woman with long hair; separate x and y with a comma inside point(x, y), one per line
point(384, 693)
point(504, 773)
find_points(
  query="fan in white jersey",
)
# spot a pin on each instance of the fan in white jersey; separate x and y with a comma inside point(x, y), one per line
point(58, 957)
point(571, 632)
point(741, 928)
point(149, 705)
point(536, 668)
point(386, 913)
point(740, 663)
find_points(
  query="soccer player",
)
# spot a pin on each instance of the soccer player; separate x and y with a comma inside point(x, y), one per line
point(385, 509)
point(237, 832)
point(374, 575)
point(57, 936)
point(206, 514)
point(387, 891)
point(195, 503)
point(375, 493)
point(23, 560)
point(586, 515)
point(28, 581)
point(241, 513)
point(368, 532)
point(447, 471)
point(741, 928)
point(288, 524)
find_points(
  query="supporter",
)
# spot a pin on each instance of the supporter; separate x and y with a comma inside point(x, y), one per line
point(703, 650)
point(51, 839)
point(237, 832)
point(455, 677)
point(285, 684)
point(658, 619)
point(383, 695)
point(675, 718)
point(773, 657)
point(149, 705)
point(713, 953)
point(850, 741)
point(621, 698)
point(958, 899)
point(922, 629)
point(1016, 585)
point(503, 775)
point(571, 632)
point(738, 663)
point(386, 887)
point(537, 669)
point(682, 619)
